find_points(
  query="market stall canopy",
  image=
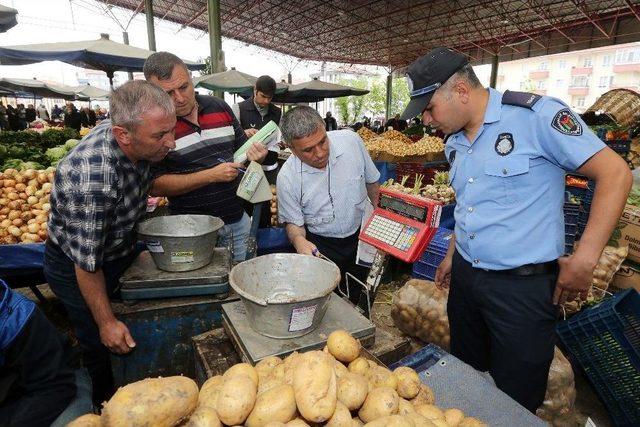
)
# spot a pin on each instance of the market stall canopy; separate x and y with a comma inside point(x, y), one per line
point(7, 18)
point(394, 33)
point(231, 81)
point(39, 89)
point(101, 54)
point(316, 90)
point(622, 105)
point(91, 92)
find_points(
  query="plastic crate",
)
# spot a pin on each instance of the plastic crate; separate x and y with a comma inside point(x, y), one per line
point(422, 359)
point(605, 341)
point(423, 270)
point(622, 146)
point(426, 266)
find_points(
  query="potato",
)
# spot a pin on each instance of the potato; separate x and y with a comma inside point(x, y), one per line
point(298, 422)
point(269, 382)
point(87, 420)
point(314, 384)
point(266, 365)
point(352, 390)
point(242, 369)
point(343, 346)
point(430, 412)
point(236, 398)
point(356, 422)
point(204, 416)
point(341, 417)
point(453, 416)
point(419, 420)
point(379, 403)
point(275, 424)
point(439, 423)
point(405, 407)
point(154, 401)
point(390, 421)
point(425, 395)
point(209, 391)
point(471, 422)
point(289, 363)
point(408, 382)
point(359, 366)
point(381, 377)
point(340, 369)
point(276, 404)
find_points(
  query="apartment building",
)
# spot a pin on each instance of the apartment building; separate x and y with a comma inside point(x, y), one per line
point(578, 78)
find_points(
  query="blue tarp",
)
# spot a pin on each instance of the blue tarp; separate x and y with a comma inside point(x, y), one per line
point(24, 256)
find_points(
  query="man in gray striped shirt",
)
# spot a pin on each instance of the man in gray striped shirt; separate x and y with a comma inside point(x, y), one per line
point(323, 189)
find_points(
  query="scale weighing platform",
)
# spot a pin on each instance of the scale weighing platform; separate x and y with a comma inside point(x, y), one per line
point(253, 347)
point(143, 280)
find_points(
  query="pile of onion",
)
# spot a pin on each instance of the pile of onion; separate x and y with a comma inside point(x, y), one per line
point(24, 205)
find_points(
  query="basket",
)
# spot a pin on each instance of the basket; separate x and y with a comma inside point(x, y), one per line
point(605, 341)
point(425, 267)
point(622, 104)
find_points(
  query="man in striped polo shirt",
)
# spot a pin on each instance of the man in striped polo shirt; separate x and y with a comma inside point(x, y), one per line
point(199, 176)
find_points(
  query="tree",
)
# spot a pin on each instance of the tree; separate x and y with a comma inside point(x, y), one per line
point(208, 69)
point(399, 96)
point(350, 108)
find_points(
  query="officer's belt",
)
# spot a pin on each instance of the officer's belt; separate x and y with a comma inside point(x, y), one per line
point(550, 267)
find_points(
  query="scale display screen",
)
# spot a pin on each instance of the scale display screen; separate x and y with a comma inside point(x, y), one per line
point(403, 208)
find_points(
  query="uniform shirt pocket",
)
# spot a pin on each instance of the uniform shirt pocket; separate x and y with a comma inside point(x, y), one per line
point(506, 177)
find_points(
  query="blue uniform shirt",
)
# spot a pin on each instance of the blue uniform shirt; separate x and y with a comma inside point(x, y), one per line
point(509, 181)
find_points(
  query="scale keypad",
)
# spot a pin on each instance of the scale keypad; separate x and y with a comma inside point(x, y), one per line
point(392, 233)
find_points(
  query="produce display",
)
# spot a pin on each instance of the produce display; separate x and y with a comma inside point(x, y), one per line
point(18, 148)
point(396, 136)
point(367, 134)
point(397, 144)
point(24, 205)
point(558, 406)
point(333, 387)
point(439, 190)
point(420, 310)
point(608, 264)
point(274, 207)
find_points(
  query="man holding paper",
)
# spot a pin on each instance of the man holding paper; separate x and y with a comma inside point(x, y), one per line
point(199, 176)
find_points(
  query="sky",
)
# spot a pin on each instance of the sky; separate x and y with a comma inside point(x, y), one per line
point(44, 21)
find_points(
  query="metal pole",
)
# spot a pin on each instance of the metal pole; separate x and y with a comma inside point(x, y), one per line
point(215, 39)
point(387, 112)
point(125, 39)
point(151, 35)
point(289, 79)
point(494, 72)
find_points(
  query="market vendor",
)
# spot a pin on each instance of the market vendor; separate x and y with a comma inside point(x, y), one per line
point(199, 176)
point(505, 266)
point(322, 190)
point(99, 193)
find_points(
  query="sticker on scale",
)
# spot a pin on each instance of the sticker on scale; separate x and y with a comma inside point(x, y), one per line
point(302, 318)
point(181, 257)
point(155, 246)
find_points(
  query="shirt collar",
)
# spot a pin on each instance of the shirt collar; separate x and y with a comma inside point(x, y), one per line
point(122, 158)
point(494, 106)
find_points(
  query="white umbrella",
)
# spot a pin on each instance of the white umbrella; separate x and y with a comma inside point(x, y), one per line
point(7, 18)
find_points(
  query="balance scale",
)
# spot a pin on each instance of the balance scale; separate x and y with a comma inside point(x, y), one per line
point(253, 347)
point(143, 280)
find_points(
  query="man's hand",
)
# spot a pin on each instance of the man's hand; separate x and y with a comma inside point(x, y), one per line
point(116, 337)
point(443, 273)
point(250, 132)
point(257, 153)
point(224, 172)
point(574, 279)
point(304, 247)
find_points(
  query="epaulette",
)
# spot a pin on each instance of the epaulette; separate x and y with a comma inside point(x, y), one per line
point(520, 99)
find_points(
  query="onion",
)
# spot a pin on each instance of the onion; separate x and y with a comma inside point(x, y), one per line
point(33, 183)
point(10, 172)
point(42, 178)
point(25, 207)
point(13, 215)
point(30, 173)
point(26, 216)
point(14, 204)
point(31, 190)
point(41, 218)
point(39, 193)
point(32, 221)
point(3, 201)
point(17, 222)
point(23, 228)
point(20, 187)
point(5, 211)
point(50, 176)
point(42, 234)
point(44, 226)
point(32, 200)
point(19, 178)
point(33, 228)
point(6, 223)
point(23, 196)
point(47, 187)
point(15, 231)
point(46, 207)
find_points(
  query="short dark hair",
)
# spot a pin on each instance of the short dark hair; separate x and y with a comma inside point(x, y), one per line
point(161, 65)
point(266, 85)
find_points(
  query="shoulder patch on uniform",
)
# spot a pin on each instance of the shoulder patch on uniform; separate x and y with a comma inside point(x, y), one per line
point(520, 99)
point(566, 122)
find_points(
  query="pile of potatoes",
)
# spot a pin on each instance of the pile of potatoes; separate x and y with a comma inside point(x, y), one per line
point(335, 387)
point(420, 310)
point(274, 207)
point(558, 406)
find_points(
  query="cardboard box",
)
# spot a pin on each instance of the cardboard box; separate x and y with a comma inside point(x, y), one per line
point(628, 276)
point(627, 233)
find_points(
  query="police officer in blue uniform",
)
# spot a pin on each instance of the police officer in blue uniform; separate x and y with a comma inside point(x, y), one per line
point(506, 268)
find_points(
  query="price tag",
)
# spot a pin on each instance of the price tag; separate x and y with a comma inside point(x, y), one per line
point(155, 246)
point(181, 257)
point(302, 318)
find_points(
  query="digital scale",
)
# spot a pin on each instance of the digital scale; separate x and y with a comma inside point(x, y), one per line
point(401, 226)
point(253, 347)
point(143, 280)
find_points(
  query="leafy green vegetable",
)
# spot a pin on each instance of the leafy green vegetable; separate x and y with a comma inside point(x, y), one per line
point(56, 153)
point(12, 164)
point(634, 196)
point(70, 144)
